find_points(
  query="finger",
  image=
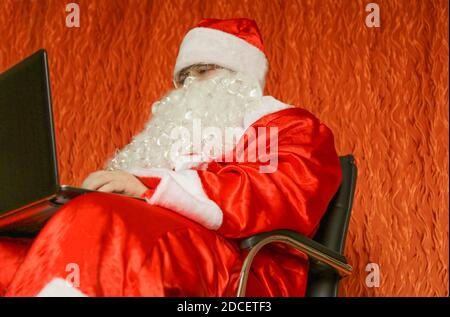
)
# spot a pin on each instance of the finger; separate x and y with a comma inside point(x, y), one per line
point(108, 188)
point(91, 176)
point(99, 180)
point(123, 175)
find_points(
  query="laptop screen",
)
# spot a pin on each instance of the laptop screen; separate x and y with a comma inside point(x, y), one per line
point(28, 167)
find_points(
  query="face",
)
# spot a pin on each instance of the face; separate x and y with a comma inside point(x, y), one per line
point(199, 71)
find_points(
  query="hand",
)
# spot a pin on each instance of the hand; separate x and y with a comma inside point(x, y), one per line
point(117, 181)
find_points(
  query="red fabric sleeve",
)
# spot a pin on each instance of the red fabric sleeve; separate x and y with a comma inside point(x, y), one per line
point(295, 196)
point(151, 183)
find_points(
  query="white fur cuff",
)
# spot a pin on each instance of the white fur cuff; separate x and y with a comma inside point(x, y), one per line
point(182, 192)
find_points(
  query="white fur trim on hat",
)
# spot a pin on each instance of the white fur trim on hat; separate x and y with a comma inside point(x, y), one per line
point(211, 46)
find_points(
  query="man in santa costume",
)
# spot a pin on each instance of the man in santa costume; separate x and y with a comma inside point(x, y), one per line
point(216, 162)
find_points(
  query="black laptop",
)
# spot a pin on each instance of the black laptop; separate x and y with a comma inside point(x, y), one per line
point(30, 192)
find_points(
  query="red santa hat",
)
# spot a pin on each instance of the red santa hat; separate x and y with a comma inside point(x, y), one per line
point(235, 44)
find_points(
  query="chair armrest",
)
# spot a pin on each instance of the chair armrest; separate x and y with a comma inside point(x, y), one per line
point(254, 240)
point(301, 243)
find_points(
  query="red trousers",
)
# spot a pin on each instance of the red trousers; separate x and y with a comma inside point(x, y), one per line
point(120, 246)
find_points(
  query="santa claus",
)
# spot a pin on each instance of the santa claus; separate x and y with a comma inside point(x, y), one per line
point(216, 162)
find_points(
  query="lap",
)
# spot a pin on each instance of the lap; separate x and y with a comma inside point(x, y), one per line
point(131, 248)
point(94, 209)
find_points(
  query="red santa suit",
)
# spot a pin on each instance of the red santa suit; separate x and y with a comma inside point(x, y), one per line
point(184, 239)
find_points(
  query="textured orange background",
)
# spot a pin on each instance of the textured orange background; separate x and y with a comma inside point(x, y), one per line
point(384, 93)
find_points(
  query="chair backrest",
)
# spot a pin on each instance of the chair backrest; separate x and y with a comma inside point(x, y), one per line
point(323, 280)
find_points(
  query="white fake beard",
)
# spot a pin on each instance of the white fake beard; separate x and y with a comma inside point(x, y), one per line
point(221, 101)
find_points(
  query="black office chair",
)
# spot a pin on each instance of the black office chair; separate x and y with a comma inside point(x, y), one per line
point(327, 264)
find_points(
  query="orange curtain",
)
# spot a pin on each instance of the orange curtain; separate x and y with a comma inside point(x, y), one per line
point(383, 91)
